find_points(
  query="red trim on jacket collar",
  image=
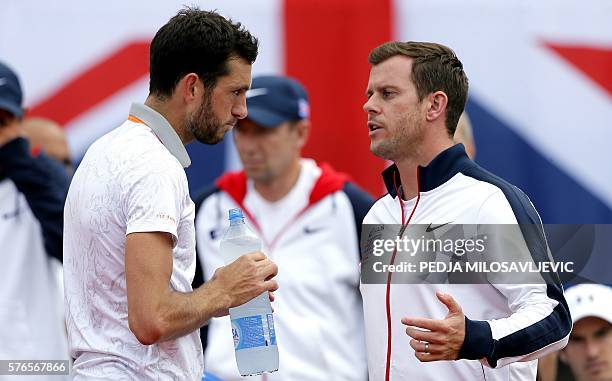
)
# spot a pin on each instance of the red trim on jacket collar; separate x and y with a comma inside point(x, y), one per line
point(234, 184)
point(330, 181)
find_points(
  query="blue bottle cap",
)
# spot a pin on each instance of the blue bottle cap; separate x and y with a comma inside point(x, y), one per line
point(235, 214)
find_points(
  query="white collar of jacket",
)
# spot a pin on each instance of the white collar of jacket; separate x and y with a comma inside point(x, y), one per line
point(441, 169)
point(164, 131)
point(330, 181)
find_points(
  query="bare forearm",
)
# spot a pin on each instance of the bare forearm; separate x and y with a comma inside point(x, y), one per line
point(156, 313)
point(182, 313)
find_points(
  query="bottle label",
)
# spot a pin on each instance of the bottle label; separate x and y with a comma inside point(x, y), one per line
point(253, 331)
point(271, 329)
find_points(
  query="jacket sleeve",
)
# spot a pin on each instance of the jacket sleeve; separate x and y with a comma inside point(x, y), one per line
point(540, 322)
point(361, 202)
point(44, 185)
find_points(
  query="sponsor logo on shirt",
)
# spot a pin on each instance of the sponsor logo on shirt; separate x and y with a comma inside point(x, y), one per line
point(311, 230)
point(214, 234)
point(431, 228)
point(166, 216)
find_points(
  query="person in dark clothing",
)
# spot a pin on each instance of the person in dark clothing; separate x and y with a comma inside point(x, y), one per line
point(32, 194)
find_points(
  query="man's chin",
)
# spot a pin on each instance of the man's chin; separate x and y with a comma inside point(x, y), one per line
point(258, 175)
point(213, 139)
point(380, 152)
point(209, 140)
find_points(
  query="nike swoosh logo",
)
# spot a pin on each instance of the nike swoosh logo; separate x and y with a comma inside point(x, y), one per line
point(309, 230)
point(213, 234)
point(11, 215)
point(432, 228)
point(256, 92)
point(2, 81)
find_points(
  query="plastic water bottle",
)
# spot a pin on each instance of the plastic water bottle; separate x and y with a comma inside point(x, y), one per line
point(252, 322)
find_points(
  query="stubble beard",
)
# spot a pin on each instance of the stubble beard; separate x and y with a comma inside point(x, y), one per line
point(405, 143)
point(203, 124)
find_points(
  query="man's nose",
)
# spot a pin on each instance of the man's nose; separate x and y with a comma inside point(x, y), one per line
point(371, 107)
point(239, 111)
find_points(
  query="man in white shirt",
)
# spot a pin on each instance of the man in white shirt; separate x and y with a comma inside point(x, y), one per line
point(308, 216)
point(129, 244)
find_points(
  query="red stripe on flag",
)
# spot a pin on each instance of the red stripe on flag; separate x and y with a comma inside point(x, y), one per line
point(327, 45)
point(595, 62)
point(103, 79)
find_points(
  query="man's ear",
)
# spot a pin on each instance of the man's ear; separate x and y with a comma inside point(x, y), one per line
point(302, 128)
point(563, 356)
point(189, 88)
point(437, 103)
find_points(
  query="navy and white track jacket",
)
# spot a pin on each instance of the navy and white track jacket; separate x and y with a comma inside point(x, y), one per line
point(508, 326)
point(32, 194)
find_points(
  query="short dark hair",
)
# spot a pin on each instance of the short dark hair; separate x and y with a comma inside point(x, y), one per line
point(435, 67)
point(196, 41)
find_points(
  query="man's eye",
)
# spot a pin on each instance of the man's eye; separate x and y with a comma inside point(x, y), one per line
point(386, 94)
point(602, 333)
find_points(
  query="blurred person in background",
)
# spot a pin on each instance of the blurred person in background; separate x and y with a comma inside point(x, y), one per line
point(589, 351)
point(46, 135)
point(32, 194)
point(48, 138)
point(309, 218)
point(129, 242)
point(465, 135)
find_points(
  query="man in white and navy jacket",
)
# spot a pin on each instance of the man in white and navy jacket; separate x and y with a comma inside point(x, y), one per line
point(309, 217)
point(416, 93)
point(32, 194)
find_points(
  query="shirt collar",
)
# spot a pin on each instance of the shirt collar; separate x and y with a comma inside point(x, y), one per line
point(441, 169)
point(164, 131)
